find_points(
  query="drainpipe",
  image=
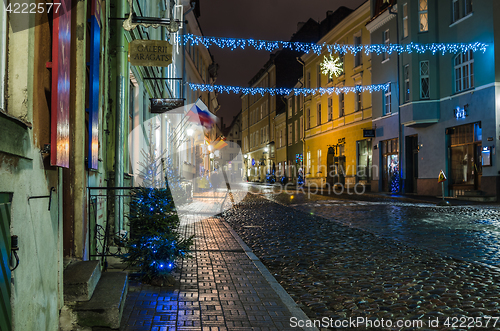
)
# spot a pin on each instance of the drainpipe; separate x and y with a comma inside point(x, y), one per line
point(183, 49)
point(121, 74)
point(400, 129)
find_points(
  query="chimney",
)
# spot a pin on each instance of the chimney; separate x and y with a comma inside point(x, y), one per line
point(329, 12)
point(300, 25)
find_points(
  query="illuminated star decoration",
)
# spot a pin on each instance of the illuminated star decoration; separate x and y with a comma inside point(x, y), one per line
point(332, 67)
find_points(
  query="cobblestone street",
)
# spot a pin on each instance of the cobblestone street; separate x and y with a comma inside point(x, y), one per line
point(342, 259)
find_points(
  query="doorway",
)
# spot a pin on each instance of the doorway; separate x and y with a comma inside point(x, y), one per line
point(411, 163)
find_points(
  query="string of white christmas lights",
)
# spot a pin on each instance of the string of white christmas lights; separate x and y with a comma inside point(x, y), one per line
point(286, 91)
point(270, 46)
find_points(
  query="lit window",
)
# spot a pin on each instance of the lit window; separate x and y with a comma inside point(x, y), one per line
point(423, 16)
point(464, 71)
point(424, 80)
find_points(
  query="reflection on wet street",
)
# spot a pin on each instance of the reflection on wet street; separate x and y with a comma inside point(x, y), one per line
point(465, 232)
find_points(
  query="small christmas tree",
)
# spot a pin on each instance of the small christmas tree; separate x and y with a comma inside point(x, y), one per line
point(155, 243)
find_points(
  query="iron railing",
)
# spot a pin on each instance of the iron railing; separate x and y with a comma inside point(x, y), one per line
point(107, 233)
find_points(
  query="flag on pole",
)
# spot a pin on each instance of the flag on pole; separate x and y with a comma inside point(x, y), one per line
point(199, 113)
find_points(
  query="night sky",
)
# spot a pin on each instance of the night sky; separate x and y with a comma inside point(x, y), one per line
point(257, 19)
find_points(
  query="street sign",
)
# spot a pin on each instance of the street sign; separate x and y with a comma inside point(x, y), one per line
point(159, 106)
point(442, 177)
point(150, 53)
point(368, 133)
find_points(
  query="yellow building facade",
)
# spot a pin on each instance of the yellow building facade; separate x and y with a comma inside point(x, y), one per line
point(335, 151)
point(258, 112)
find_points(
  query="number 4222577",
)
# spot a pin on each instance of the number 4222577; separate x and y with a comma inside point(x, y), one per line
point(32, 8)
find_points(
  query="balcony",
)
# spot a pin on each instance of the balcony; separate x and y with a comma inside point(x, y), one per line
point(419, 115)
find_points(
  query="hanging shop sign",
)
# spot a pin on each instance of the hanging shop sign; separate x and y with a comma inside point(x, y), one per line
point(150, 53)
point(159, 106)
point(368, 133)
point(93, 110)
point(60, 90)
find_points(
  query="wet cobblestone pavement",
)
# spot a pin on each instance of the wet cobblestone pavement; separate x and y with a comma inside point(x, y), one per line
point(338, 271)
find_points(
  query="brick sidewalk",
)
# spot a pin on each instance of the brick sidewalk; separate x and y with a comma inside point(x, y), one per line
point(221, 288)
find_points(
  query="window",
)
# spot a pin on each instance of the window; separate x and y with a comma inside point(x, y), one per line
point(290, 134)
point(456, 10)
point(289, 107)
point(261, 112)
point(330, 109)
point(387, 100)
point(318, 114)
point(405, 20)
point(464, 71)
point(357, 57)
point(423, 17)
point(308, 80)
point(308, 163)
point(341, 104)
point(385, 55)
point(296, 127)
point(358, 100)
point(295, 104)
point(424, 80)
point(468, 7)
point(406, 74)
point(308, 118)
point(301, 126)
point(318, 77)
point(319, 160)
point(281, 139)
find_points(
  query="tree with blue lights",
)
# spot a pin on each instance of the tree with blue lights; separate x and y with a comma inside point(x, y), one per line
point(155, 243)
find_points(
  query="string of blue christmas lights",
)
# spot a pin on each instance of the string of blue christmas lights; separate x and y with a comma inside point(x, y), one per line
point(286, 91)
point(270, 46)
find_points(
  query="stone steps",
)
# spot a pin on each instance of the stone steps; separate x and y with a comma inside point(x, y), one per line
point(92, 299)
point(80, 280)
point(105, 309)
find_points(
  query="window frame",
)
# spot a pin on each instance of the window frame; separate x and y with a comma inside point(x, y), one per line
point(455, 10)
point(318, 114)
point(358, 100)
point(464, 65)
point(330, 109)
point(388, 100)
point(405, 20)
point(424, 77)
point(386, 40)
point(358, 57)
point(406, 82)
point(341, 105)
